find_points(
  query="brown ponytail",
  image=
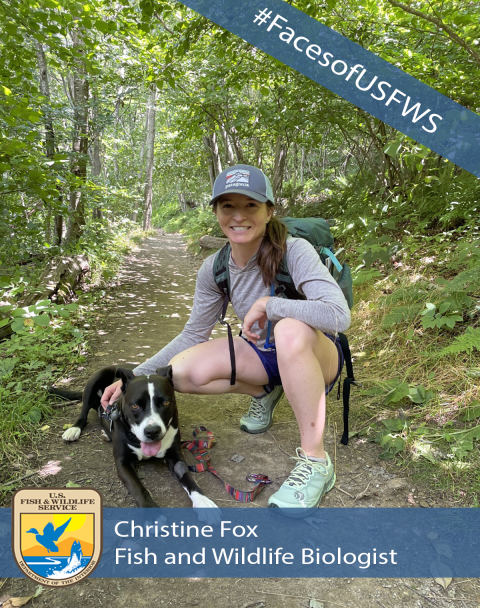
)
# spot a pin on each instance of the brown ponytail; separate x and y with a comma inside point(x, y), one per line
point(272, 249)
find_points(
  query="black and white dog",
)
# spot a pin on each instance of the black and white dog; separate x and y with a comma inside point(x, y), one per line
point(142, 424)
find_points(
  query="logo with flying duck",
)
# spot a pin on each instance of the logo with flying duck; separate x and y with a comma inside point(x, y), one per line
point(57, 534)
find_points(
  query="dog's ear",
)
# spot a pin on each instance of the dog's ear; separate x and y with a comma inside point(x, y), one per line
point(165, 372)
point(126, 376)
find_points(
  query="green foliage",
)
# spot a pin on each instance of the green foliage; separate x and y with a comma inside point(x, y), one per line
point(439, 305)
point(443, 317)
point(29, 362)
point(462, 441)
point(400, 314)
point(164, 213)
point(468, 253)
point(472, 412)
point(195, 223)
point(467, 280)
point(21, 413)
point(408, 294)
point(39, 315)
point(107, 242)
point(392, 437)
point(417, 394)
point(465, 343)
point(364, 276)
point(395, 201)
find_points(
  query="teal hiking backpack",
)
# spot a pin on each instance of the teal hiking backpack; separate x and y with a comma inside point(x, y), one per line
point(317, 232)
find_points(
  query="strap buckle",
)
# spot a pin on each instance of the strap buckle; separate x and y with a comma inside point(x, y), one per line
point(111, 414)
point(258, 478)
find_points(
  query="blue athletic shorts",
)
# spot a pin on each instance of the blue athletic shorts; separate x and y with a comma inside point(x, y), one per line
point(270, 363)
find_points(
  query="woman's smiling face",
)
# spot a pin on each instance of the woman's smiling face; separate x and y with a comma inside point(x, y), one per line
point(242, 219)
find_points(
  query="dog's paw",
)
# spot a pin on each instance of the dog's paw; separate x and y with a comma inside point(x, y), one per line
point(206, 509)
point(72, 434)
point(105, 437)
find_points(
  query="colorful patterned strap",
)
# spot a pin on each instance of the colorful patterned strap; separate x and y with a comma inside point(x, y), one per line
point(200, 450)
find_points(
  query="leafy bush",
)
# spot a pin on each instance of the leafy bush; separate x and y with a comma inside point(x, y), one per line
point(195, 223)
point(164, 213)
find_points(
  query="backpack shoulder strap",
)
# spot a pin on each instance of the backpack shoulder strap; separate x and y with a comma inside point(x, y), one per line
point(286, 286)
point(221, 276)
point(347, 383)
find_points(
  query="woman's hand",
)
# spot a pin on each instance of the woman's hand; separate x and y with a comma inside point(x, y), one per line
point(257, 313)
point(111, 394)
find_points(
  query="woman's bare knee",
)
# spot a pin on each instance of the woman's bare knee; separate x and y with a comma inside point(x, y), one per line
point(199, 365)
point(196, 367)
point(292, 336)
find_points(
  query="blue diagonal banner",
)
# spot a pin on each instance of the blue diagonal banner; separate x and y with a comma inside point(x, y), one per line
point(354, 73)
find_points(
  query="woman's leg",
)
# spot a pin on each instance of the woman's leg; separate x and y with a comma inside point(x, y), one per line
point(205, 369)
point(308, 361)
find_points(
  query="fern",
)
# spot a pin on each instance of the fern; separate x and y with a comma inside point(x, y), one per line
point(411, 293)
point(400, 314)
point(468, 280)
point(464, 343)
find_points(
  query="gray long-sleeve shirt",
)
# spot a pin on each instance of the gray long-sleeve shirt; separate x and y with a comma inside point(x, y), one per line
point(325, 307)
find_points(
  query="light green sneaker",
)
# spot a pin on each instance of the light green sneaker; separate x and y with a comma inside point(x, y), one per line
point(301, 493)
point(259, 417)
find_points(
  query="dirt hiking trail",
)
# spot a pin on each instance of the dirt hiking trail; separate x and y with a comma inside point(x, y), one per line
point(147, 307)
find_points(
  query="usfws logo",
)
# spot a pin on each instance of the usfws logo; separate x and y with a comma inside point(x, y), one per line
point(57, 534)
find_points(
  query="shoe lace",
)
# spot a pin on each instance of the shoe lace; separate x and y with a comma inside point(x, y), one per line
point(303, 470)
point(257, 408)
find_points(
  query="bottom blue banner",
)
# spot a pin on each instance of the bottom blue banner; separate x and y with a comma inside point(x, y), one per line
point(246, 542)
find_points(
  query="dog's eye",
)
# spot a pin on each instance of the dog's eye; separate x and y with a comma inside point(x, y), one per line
point(166, 403)
point(135, 406)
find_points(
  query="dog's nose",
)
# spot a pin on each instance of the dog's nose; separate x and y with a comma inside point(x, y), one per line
point(153, 432)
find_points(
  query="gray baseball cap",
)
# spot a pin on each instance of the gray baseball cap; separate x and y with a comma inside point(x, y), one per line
point(243, 179)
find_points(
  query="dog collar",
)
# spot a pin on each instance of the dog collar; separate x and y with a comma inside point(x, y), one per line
point(111, 414)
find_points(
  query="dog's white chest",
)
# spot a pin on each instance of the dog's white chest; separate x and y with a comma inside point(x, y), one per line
point(166, 444)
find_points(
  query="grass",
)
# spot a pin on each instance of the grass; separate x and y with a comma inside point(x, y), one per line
point(437, 436)
point(32, 360)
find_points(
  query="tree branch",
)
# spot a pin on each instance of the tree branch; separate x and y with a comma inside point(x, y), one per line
point(164, 24)
point(439, 23)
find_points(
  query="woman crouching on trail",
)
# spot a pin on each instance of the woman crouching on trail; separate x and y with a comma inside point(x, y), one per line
point(306, 358)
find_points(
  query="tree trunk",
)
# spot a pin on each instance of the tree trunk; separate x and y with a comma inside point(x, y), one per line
point(302, 166)
point(141, 172)
point(280, 160)
point(217, 161)
point(229, 155)
point(80, 143)
point(295, 169)
point(59, 279)
point(211, 168)
point(324, 151)
point(58, 229)
point(148, 198)
point(116, 115)
point(257, 146)
point(211, 242)
point(386, 157)
point(49, 140)
point(182, 201)
point(237, 145)
point(96, 162)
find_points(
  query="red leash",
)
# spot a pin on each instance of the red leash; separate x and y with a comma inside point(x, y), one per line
point(200, 449)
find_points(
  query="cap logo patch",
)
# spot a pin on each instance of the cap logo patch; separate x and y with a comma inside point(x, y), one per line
point(238, 177)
